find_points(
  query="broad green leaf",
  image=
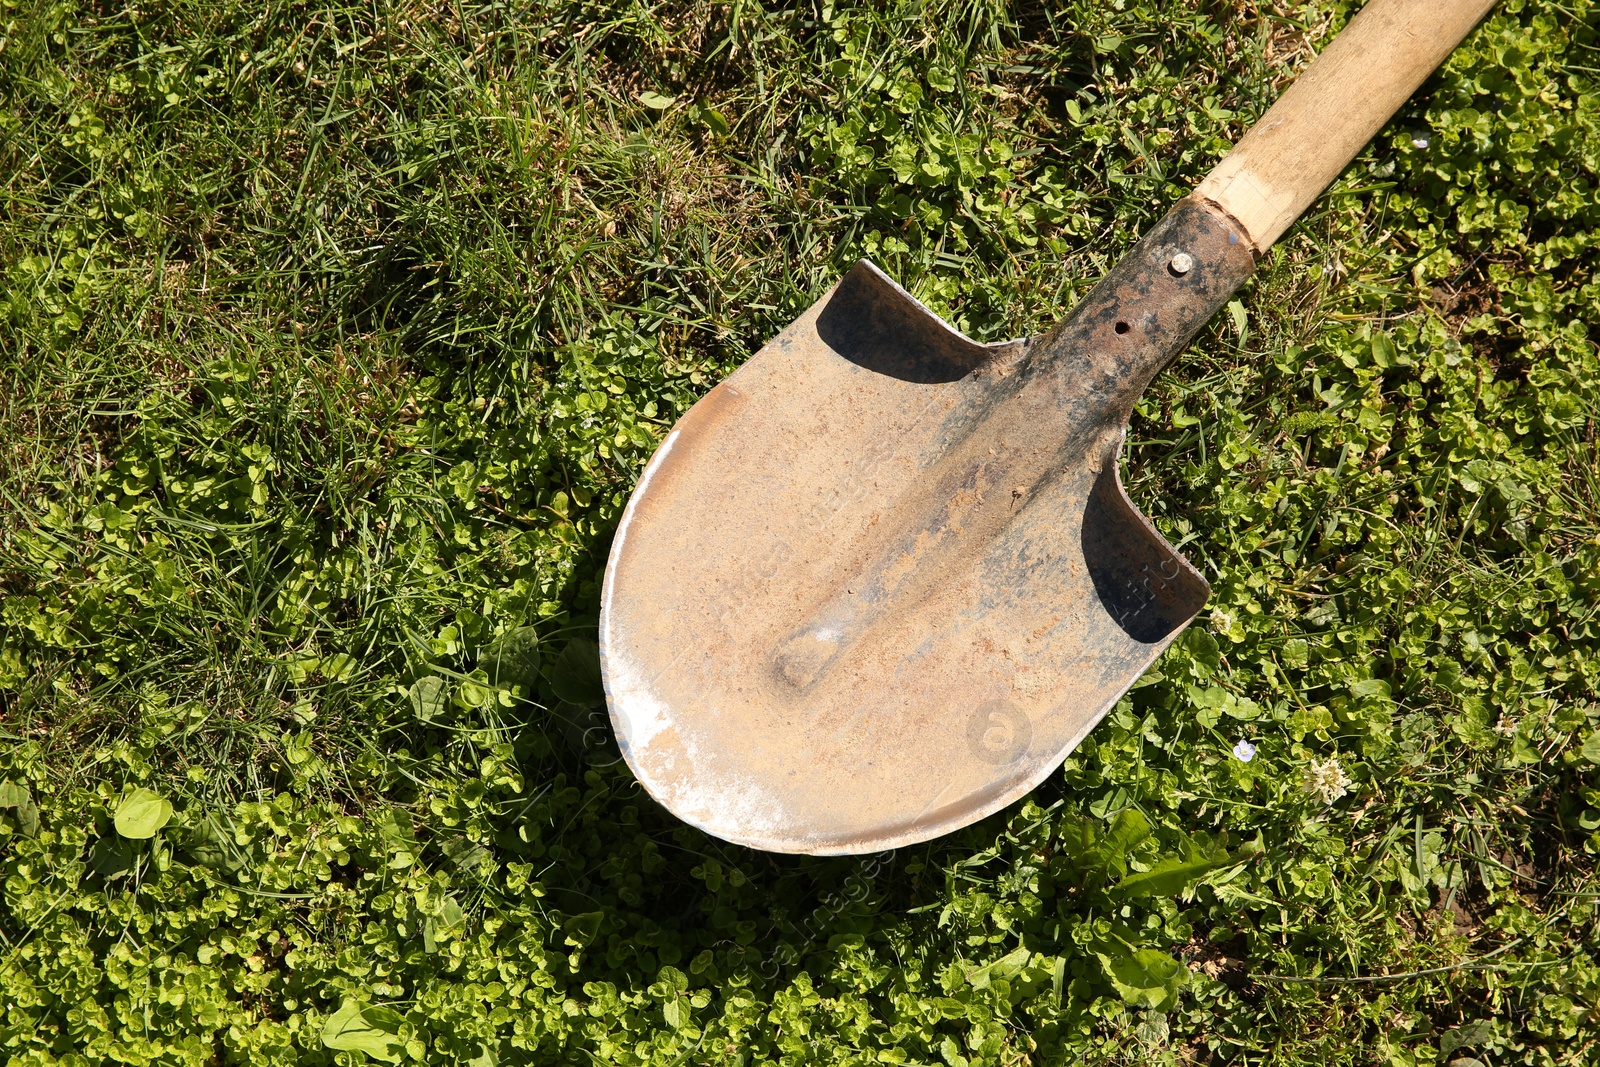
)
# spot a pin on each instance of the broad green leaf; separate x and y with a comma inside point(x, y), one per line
point(299, 668)
point(1078, 836)
point(1471, 723)
point(465, 854)
point(395, 826)
point(1171, 875)
point(513, 659)
point(1383, 351)
point(655, 101)
point(714, 120)
point(428, 697)
point(339, 667)
point(1146, 978)
point(1011, 963)
point(360, 1027)
point(448, 919)
point(1004, 967)
point(1467, 1035)
point(669, 981)
point(1237, 314)
point(1130, 828)
point(575, 676)
point(1448, 676)
point(580, 929)
point(1375, 688)
point(676, 1013)
point(19, 798)
point(141, 814)
point(1591, 748)
point(1243, 708)
point(207, 845)
point(474, 692)
point(1111, 854)
point(113, 857)
point(1206, 658)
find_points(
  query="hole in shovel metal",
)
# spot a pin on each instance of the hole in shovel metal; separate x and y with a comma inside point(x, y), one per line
point(1145, 589)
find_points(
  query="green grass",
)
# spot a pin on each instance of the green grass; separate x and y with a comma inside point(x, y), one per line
point(332, 339)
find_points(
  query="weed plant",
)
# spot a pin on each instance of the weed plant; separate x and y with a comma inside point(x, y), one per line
point(333, 337)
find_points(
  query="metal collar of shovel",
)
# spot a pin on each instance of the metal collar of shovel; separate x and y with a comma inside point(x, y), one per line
point(880, 581)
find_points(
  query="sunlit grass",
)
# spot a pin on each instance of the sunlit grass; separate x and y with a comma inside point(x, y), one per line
point(332, 339)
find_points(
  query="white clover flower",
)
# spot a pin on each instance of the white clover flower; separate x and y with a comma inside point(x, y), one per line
point(1505, 727)
point(1221, 621)
point(1326, 780)
point(1420, 140)
point(1244, 751)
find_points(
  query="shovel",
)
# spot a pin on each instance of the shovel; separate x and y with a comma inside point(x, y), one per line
point(879, 583)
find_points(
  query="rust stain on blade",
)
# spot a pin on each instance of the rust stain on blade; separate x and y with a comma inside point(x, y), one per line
point(879, 582)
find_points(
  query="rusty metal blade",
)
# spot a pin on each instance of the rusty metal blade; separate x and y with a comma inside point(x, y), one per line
point(879, 582)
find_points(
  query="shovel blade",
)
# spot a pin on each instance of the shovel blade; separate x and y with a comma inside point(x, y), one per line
point(864, 594)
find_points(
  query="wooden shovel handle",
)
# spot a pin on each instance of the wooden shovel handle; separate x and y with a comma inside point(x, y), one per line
point(1333, 109)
